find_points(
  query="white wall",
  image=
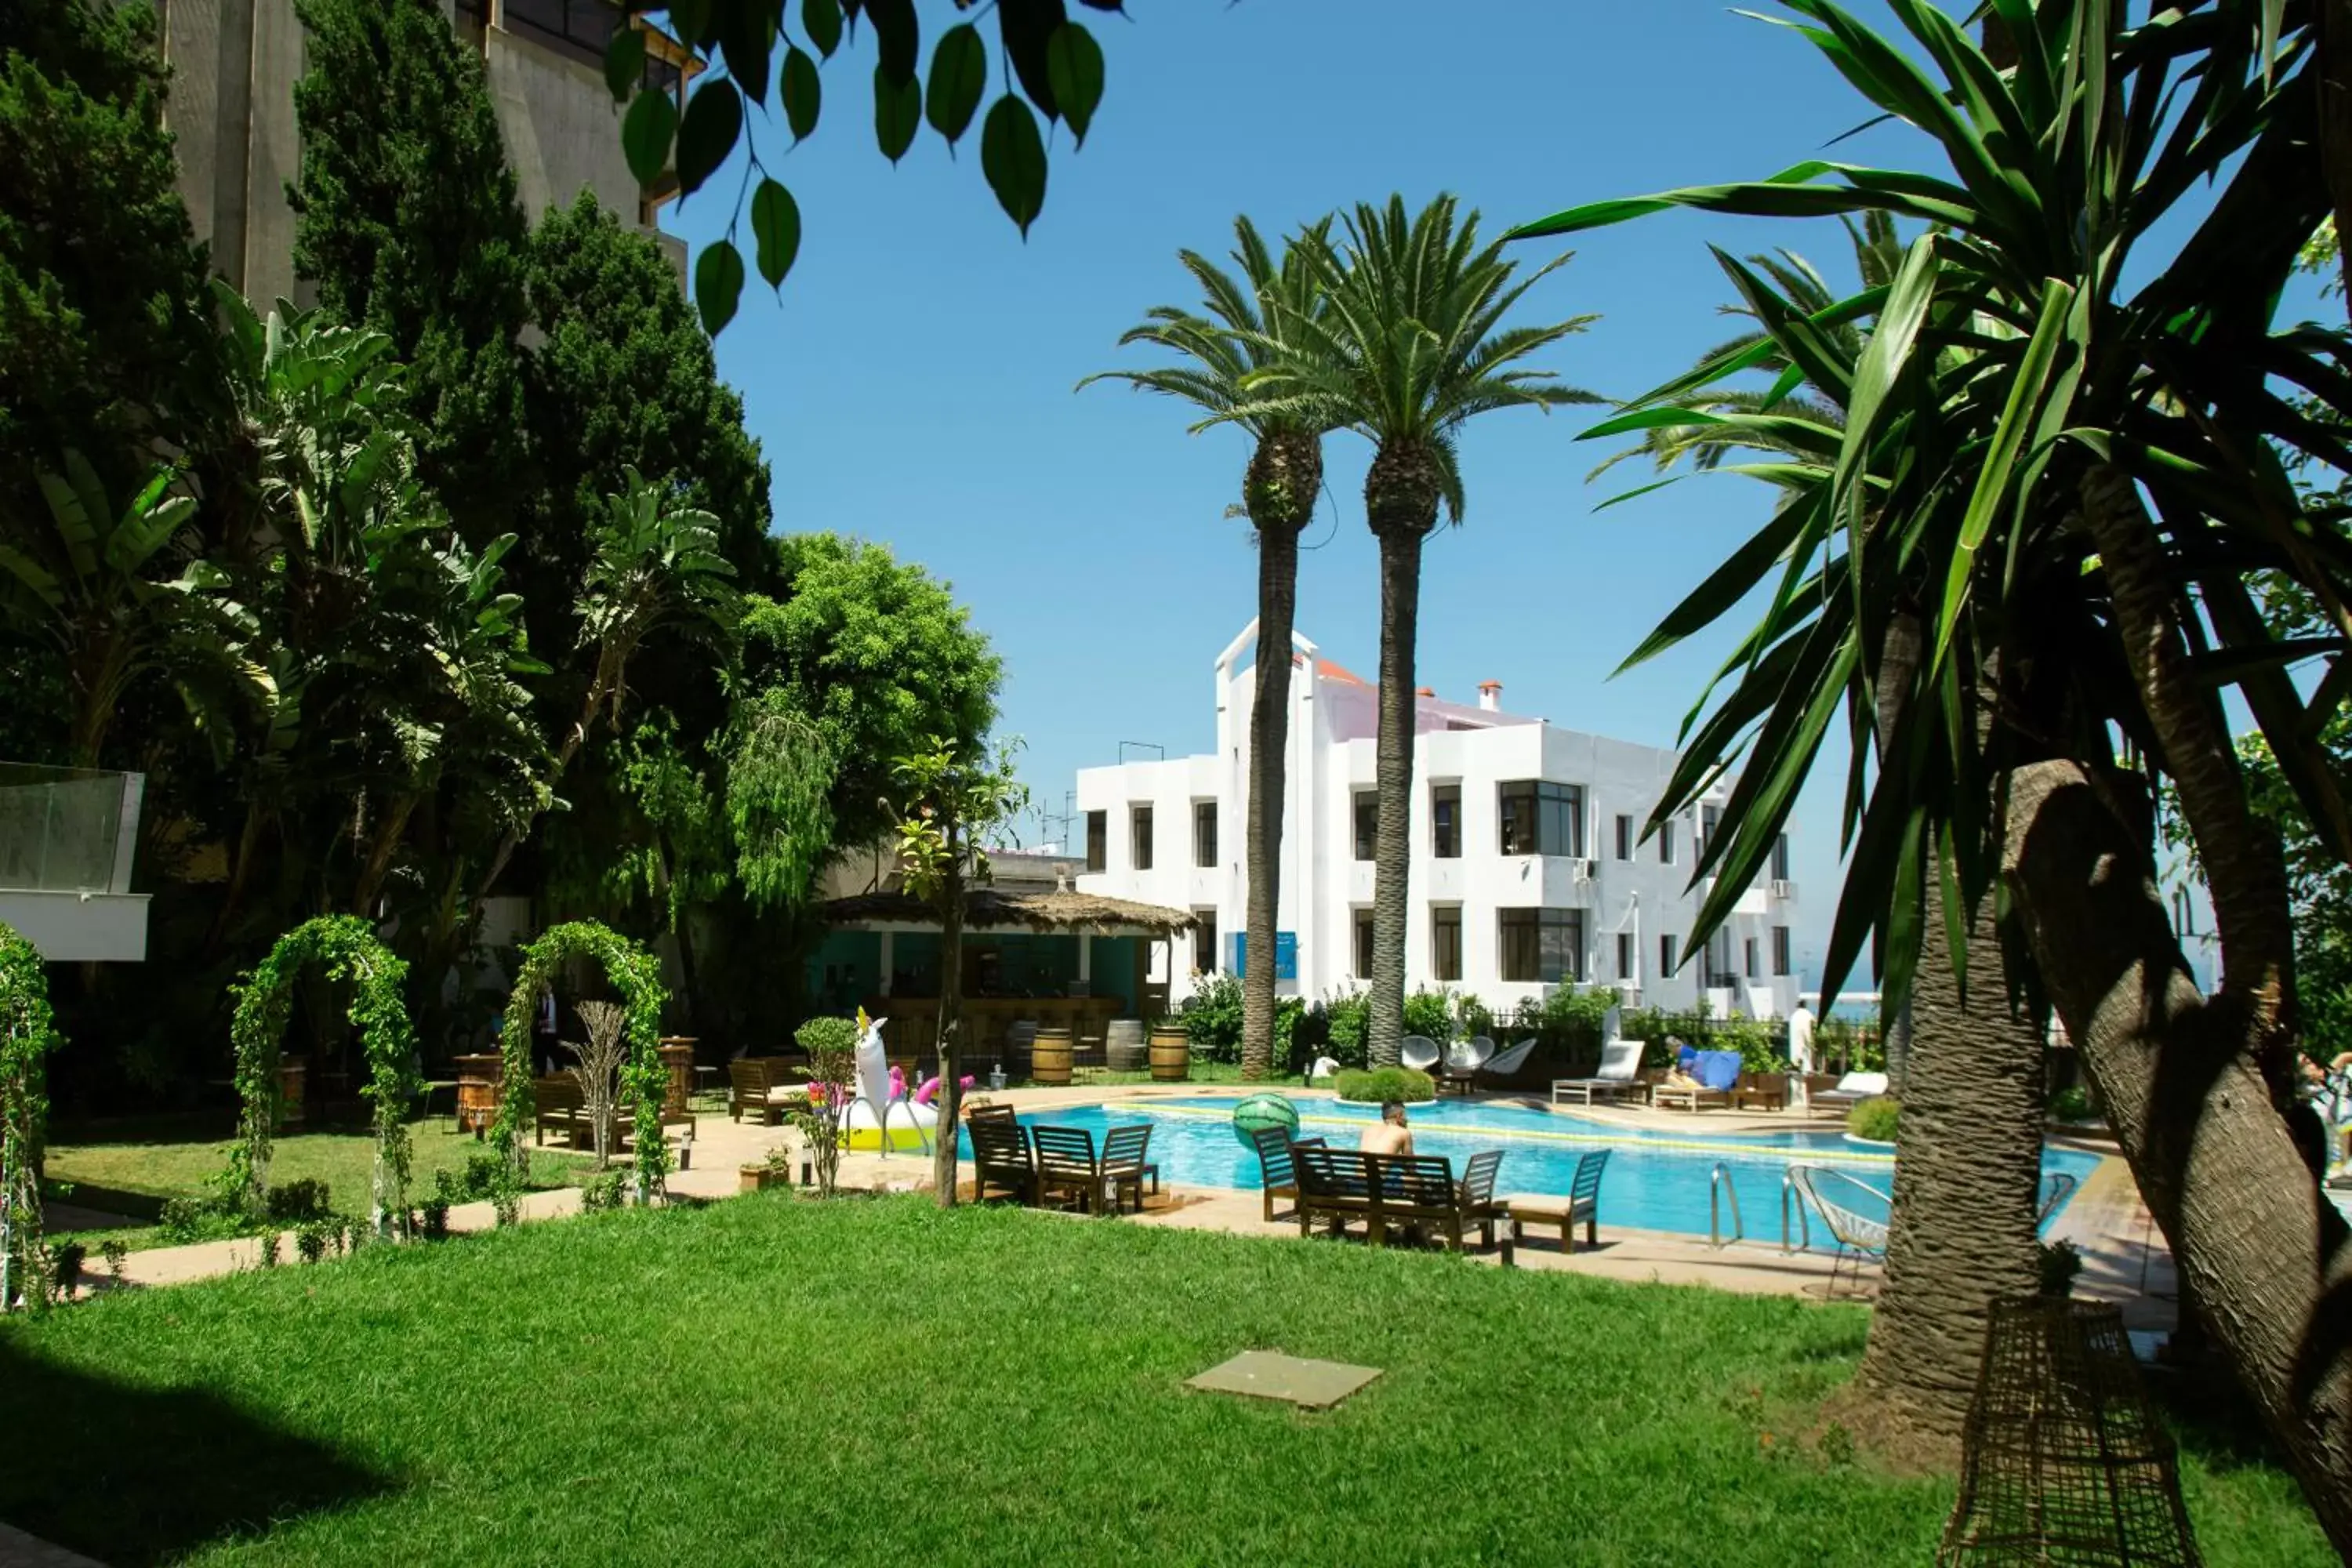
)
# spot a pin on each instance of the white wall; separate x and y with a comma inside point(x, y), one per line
point(1323, 885)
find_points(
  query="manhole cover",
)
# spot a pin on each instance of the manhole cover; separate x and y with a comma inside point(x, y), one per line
point(1269, 1375)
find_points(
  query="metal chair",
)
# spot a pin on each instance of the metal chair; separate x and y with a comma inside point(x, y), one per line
point(1505, 1063)
point(1419, 1052)
point(1834, 1196)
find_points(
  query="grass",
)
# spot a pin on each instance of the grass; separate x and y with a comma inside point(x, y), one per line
point(869, 1381)
point(130, 1167)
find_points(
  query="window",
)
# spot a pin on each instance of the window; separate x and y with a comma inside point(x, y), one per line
point(1540, 817)
point(1204, 833)
point(1204, 941)
point(1445, 821)
point(1544, 945)
point(1626, 953)
point(1780, 859)
point(1710, 818)
point(1715, 963)
point(1780, 950)
point(1665, 956)
point(1748, 952)
point(1097, 841)
point(1363, 945)
point(1624, 838)
point(1446, 940)
point(1368, 821)
point(1140, 837)
point(1667, 842)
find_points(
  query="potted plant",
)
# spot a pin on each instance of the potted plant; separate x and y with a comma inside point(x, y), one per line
point(2060, 1264)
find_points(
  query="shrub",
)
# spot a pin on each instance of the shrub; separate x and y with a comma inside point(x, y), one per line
point(2072, 1103)
point(2060, 1263)
point(65, 1266)
point(1211, 1019)
point(436, 1218)
point(603, 1191)
point(1875, 1118)
point(299, 1200)
point(1430, 1014)
point(186, 1220)
point(823, 1038)
point(1347, 1020)
point(1475, 1017)
point(1386, 1083)
point(310, 1240)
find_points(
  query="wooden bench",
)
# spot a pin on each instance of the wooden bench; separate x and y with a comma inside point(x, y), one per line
point(753, 1085)
point(1418, 1192)
point(1278, 1170)
point(558, 1105)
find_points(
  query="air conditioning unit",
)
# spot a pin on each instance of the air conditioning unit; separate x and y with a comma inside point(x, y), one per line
point(1580, 870)
point(1783, 889)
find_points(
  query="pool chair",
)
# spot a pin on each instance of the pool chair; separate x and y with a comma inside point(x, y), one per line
point(1621, 1073)
point(1851, 1208)
point(1462, 1064)
point(1583, 1203)
point(1420, 1053)
point(1507, 1064)
point(1278, 1171)
point(1000, 1159)
point(1066, 1162)
point(1850, 1092)
point(1126, 1162)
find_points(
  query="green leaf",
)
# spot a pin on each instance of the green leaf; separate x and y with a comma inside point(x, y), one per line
point(1024, 27)
point(749, 41)
point(898, 37)
point(898, 113)
point(959, 77)
point(714, 116)
point(1073, 64)
point(776, 226)
point(717, 285)
point(821, 19)
point(804, 94)
point(1012, 156)
point(690, 21)
point(624, 62)
point(646, 131)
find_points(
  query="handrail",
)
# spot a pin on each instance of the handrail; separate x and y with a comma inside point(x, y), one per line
point(922, 1139)
point(1719, 1183)
point(1804, 1226)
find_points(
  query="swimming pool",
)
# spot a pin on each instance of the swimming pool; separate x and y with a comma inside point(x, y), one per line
point(1658, 1179)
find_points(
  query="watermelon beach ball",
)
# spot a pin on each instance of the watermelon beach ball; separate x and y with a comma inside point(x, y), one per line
point(1264, 1110)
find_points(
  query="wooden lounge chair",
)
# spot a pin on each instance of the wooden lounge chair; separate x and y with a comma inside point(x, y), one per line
point(1583, 1203)
point(998, 1111)
point(758, 1086)
point(1619, 1074)
point(1067, 1163)
point(1000, 1158)
point(1850, 1092)
point(1276, 1171)
point(1127, 1161)
point(1477, 1200)
point(1335, 1186)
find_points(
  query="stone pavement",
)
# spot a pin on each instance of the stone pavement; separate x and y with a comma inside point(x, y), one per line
point(18, 1549)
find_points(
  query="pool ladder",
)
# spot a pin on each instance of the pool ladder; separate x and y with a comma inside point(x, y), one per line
point(1721, 1189)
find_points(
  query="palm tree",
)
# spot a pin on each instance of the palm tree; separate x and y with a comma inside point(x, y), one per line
point(2055, 456)
point(1410, 344)
point(1246, 330)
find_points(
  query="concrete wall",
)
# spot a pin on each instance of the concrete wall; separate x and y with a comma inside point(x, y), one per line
point(561, 128)
point(74, 928)
point(1477, 750)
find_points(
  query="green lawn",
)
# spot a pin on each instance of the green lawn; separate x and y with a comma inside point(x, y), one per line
point(771, 1380)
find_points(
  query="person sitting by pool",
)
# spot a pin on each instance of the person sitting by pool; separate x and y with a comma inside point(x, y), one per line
point(1388, 1135)
point(1678, 1074)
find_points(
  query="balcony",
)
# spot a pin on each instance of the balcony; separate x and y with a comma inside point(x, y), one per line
point(67, 836)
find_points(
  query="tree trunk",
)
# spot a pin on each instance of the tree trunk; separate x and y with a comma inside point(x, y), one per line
point(948, 1102)
point(1392, 776)
point(1898, 661)
point(2268, 1258)
point(2334, 32)
point(1284, 476)
point(1968, 1178)
point(382, 846)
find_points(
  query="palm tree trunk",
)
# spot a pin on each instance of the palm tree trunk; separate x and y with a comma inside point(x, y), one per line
point(2334, 30)
point(948, 1100)
point(1284, 476)
point(1392, 776)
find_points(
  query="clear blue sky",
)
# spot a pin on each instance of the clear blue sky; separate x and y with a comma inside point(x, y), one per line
point(914, 384)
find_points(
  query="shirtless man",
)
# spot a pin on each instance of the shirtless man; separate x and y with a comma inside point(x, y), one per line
point(1388, 1135)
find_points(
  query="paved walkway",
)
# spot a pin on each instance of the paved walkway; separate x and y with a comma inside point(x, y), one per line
point(2124, 1259)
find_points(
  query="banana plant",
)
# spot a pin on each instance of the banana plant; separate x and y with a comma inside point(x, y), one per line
point(2060, 456)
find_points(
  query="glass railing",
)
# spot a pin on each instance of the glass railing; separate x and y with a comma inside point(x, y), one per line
point(67, 829)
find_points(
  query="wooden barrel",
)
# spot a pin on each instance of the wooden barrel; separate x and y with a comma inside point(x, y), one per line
point(1123, 1045)
point(477, 1090)
point(678, 1057)
point(1049, 1057)
point(1019, 1040)
point(293, 1087)
point(1172, 1056)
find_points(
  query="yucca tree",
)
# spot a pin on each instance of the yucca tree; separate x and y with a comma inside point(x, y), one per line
point(2050, 363)
point(1246, 327)
point(1410, 345)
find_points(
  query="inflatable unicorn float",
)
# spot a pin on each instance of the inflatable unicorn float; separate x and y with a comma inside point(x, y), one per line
point(882, 1115)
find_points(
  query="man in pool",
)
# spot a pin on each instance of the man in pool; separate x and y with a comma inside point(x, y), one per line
point(1388, 1135)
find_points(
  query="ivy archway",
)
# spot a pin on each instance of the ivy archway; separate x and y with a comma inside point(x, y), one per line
point(27, 1038)
point(347, 946)
point(636, 975)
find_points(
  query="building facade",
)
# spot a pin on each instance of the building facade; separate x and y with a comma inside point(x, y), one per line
point(231, 113)
point(1529, 870)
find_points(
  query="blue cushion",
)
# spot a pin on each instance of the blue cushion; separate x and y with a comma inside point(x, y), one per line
point(1684, 1057)
point(1718, 1069)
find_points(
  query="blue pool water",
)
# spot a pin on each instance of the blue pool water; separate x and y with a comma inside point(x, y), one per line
point(1658, 1179)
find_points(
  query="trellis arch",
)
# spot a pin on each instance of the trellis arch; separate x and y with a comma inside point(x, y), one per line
point(28, 1034)
point(348, 947)
point(636, 976)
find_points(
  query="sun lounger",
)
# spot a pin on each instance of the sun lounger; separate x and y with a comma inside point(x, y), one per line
point(1717, 1078)
point(1851, 1091)
point(1583, 1203)
point(1277, 1174)
point(1621, 1070)
point(1000, 1159)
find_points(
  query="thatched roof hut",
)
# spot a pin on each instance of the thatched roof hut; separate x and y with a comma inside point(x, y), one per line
point(1059, 912)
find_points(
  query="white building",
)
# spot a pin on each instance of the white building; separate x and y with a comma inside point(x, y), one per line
point(1527, 871)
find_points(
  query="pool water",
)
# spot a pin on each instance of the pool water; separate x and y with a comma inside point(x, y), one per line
point(1657, 1179)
